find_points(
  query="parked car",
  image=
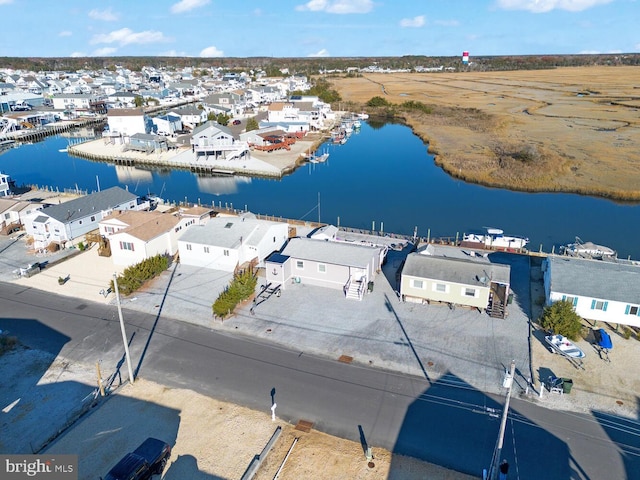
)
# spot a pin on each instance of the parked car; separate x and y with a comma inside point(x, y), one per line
point(237, 122)
point(147, 460)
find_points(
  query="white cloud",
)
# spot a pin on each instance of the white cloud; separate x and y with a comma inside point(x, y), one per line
point(211, 52)
point(104, 52)
point(414, 22)
point(65, 33)
point(126, 36)
point(5, 2)
point(105, 15)
point(78, 54)
point(321, 53)
point(337, 6)
point(187, 5)
point(541, 6)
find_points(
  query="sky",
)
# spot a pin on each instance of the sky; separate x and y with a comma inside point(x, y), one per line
point(316, 28)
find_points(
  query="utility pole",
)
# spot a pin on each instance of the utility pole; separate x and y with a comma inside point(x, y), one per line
point(124, 334)
point(508, 382)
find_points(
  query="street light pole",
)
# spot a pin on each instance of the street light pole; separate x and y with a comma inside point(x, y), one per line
point(508, 382)
point(124, 335)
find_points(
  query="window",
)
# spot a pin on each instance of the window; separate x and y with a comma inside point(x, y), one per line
point(599, 305)
point(225, 253)
point(632, 310)
point(189, 246)
point(206, 249)
point(417, 283)
point(440, 287)
point(469, 292)
point(572, 300)
point(299, 264)
point(322, 268)
point(126, 246)
point(93, 218)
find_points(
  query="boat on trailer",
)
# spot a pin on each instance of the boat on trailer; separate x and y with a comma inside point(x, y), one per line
point(562, 345)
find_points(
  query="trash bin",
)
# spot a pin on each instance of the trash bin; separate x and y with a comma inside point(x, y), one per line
point(567, 383)
point(370, 287)
point(510, 299)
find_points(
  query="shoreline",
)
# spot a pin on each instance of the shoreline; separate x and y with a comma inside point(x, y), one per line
point(275, 164)
point(492, 129)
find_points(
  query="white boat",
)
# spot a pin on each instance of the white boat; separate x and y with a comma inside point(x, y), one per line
point(363, 116)
point(495, 238)
point(562, 345)
point(318, 158)
point(587, 250)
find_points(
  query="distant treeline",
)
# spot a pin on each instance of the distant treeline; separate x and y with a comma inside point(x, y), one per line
point(312, 66)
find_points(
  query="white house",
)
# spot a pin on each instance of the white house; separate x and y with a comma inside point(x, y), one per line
point(214, 140)
point(599, 290)
point(68, 221)
point(340, 265)
point(226, 243)
point(167, 124)
point(191, 117)
point(5, 185)
point(134, 236)
point(79, 102)
point(128, 121)
point(12, 213)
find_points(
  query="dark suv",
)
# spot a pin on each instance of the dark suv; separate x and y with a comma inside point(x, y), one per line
point(147, 460)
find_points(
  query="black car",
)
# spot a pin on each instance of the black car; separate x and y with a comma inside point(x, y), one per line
point(147, 460)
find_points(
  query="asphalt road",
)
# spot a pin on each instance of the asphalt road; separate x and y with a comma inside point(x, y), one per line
point(444, 422)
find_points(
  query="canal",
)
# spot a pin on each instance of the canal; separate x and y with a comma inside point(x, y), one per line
point(382, 178)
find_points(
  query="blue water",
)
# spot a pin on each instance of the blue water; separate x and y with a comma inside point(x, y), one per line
point(382, 178)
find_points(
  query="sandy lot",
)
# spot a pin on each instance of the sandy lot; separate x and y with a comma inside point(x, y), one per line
point(219, 440)
point(569, 129)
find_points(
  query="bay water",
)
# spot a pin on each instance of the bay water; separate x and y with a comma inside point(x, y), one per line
point(381, 179)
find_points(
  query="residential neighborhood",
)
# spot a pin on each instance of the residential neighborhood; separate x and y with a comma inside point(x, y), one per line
point(446, 311)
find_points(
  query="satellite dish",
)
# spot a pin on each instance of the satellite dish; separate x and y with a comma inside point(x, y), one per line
point(482, 280)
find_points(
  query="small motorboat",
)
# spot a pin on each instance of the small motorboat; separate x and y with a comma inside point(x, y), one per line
point(587, 250)
point(562, 345)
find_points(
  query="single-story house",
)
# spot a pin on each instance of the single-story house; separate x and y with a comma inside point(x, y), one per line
point(607, 291)
point(134, 236)
point(323, 263)
point(456, 282)
point(226, 243)
point(147, 143)
point(68, 221)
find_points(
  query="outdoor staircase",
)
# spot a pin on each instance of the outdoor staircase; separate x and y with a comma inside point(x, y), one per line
point(354, 292)
point(496, 307)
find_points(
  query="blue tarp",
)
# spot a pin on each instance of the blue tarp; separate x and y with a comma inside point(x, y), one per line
point(604, 340)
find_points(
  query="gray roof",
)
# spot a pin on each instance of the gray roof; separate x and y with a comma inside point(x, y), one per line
point(227, 232)
point(595, 279)
point(93, 203)
point(214, 126)
point(456, 270)
point(335, 253)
